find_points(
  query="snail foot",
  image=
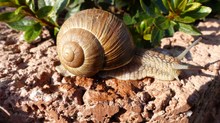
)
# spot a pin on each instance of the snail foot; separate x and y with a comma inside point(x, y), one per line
point(61, 70)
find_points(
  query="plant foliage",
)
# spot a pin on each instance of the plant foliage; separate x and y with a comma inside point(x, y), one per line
point(159, 18)
point(149, 21)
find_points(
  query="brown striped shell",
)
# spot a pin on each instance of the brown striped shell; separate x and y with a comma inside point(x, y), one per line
point(94, 40)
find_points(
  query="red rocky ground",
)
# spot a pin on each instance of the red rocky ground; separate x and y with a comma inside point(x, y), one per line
point(31, 90)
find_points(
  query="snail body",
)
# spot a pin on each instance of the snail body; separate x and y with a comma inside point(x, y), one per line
point(94, 40)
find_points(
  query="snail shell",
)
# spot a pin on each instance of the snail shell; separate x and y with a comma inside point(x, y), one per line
point(94, 40)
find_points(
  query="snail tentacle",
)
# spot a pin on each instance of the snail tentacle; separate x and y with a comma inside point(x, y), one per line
point(182, 55)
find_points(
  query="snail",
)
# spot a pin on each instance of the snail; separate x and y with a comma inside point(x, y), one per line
point(94, 41)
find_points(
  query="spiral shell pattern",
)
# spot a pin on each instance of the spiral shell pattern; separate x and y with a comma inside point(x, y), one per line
point(94, 40)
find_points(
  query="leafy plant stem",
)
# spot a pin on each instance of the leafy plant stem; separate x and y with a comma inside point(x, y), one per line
point(44, 22)
point(171, 15)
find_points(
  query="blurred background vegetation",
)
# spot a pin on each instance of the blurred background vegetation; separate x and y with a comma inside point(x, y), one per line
point(148, 20)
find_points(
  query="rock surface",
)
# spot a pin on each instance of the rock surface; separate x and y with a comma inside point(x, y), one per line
point(31, 90)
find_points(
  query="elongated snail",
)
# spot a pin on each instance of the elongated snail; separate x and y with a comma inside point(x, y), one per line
point(94, 40)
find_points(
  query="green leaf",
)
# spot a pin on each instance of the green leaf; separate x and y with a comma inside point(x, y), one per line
point(170, 31)
point(44, 11)
point(201, 1)
point(75, 4)
point(150, 21)
point(156, 36)
point(7, 3)
point(43, 3)
point(192, 6)
point(10, 17)
point(128, 20)
point(171, 7)
point(4, 0)
point(143, 6)
point(22, 25)
point(188, 29)
point(72, 10)
point(152, 9)
point(56, 30)
point(165, 3)
point(15, 2)
point(20, 2)
point(162, 7)
point(52, 21)
point(177, 5)
point(140, 16)
point(32, 32)
point(182, 5)
point(201, 12)
point(143, 26)
point(184, 19)
point(147, 37)
point(119, 3)
point(60, 5)
point(162, 22)
point(19, 9)
point(172, 4)
point(31, 4)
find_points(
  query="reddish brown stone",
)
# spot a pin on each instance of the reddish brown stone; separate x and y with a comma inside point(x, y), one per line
point(32, 90)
